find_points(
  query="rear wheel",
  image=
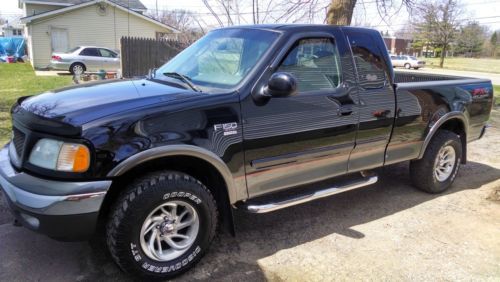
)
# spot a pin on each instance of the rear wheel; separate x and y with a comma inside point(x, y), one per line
point(162, 225)
point(407, 66)
point(77, 68)
point(436, 171)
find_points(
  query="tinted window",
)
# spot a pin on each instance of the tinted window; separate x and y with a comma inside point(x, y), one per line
point(315, 63)
point(107, 53)
point(90, 52)
point(370, 64)
point(413, 58)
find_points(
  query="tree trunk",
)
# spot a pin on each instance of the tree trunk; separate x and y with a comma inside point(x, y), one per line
point(340, 12)
point(441, 60)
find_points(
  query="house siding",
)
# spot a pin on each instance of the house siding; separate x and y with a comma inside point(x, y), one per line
point(86, 27)
point(35, 9)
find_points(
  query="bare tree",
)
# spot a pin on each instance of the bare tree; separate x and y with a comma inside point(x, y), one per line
point(184, 21)
point(227, 12)
point(180, 19)
point(340, 11)
point(438, 23)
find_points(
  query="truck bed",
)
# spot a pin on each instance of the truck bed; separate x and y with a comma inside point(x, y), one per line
point(411, 80)
point(405, 76)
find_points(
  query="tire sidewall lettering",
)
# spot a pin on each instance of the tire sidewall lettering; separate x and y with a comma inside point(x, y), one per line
point(152, 267)
point(187, 195)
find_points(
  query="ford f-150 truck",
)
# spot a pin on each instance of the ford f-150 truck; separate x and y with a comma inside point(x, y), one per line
point(256, 118)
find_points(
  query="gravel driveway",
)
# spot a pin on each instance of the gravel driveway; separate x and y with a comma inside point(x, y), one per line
point(388, 231)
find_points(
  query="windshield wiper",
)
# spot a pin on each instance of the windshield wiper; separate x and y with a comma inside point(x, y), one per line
point(182, 78)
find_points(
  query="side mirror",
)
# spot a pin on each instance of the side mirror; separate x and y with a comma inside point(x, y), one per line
point(281, 84)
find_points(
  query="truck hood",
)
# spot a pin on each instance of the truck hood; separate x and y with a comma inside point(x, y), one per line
point(80, 104)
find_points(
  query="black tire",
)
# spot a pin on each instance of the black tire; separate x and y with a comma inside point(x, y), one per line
point(407, 66)
point(74, 66)
point(423, 171)
point(136, 203)
point(416, 68)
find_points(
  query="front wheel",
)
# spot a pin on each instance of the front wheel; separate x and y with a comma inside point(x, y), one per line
point(162, 225)
point(436, 171)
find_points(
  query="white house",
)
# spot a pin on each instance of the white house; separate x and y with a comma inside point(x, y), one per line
point(12, 29)
point(59, 25)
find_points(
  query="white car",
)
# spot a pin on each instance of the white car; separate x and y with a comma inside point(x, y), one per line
point(85, 58)
point(407, 62)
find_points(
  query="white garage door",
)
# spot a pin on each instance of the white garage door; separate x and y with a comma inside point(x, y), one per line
point(59, 39)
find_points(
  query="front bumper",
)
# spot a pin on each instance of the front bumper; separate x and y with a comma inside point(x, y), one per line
point(60, 209)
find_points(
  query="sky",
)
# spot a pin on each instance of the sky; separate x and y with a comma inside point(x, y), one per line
point(486, 12)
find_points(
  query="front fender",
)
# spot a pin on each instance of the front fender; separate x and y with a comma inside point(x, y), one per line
point(179, 150)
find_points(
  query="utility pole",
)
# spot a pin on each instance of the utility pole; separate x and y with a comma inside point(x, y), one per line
point(253, 11)
point(157, 14)
point(257, 9)
point(228, 14)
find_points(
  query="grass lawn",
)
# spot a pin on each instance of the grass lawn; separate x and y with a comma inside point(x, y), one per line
point(467, 64)
point(18, 80)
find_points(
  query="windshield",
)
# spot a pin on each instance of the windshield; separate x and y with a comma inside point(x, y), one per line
point(413, 58)
point(220, 59)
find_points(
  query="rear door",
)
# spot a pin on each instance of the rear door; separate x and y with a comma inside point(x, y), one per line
point(304, 138)
point(397, 61)
point(92, 59)
point(376, 99)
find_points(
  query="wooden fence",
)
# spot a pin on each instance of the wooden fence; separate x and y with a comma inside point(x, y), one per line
point(138, 55)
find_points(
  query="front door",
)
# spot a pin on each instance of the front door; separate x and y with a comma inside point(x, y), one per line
point(59, 39)
point(307, 137)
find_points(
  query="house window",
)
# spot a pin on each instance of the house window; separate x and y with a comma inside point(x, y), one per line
point(17, 32)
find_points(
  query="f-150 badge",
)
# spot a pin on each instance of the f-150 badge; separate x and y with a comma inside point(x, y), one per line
point(228, 128)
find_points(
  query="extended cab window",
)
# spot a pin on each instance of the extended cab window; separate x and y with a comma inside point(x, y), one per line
point(370, 64)
point(315, 63)
point(90, 52)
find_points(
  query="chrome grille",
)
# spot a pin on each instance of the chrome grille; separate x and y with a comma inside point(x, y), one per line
point(18, 140)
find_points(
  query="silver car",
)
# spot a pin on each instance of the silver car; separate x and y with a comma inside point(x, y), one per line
point(407, 62)
point(85, 58)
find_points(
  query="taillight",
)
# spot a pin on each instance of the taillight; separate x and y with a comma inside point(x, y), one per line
point(56, 58)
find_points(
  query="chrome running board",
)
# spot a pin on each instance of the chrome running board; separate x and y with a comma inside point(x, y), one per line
point(304, 198)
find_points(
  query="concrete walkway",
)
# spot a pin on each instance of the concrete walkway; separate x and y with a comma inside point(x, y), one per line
point(52, 73)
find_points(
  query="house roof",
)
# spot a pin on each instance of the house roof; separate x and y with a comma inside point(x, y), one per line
point(113, 3)
point(131, 4)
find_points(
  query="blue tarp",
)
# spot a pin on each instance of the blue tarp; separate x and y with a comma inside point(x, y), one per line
point(12, 46)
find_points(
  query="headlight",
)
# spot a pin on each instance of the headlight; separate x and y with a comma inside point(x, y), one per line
point(61, 156)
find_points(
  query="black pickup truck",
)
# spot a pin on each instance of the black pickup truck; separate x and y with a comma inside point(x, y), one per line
point(256, 118)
